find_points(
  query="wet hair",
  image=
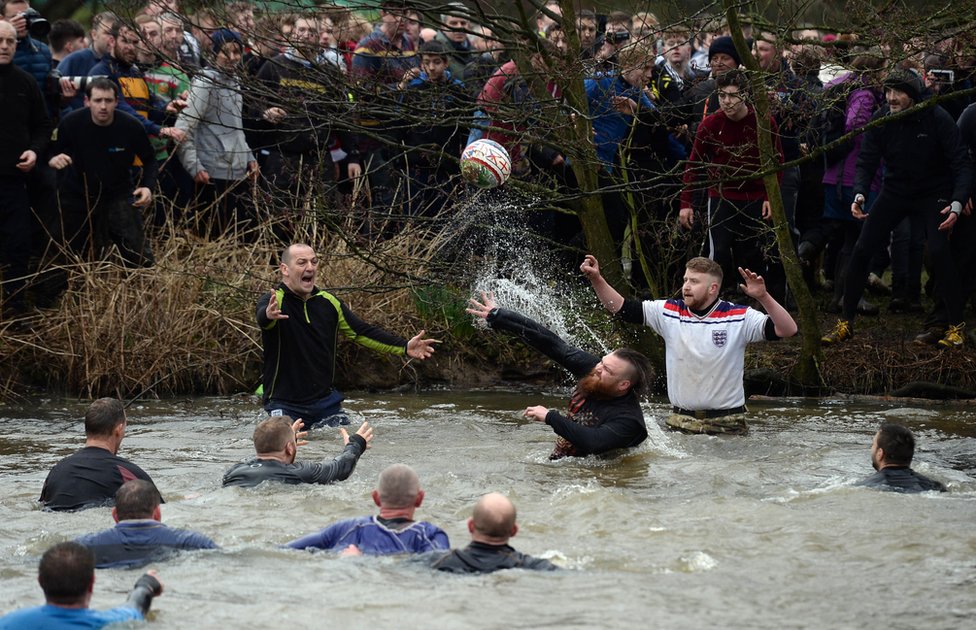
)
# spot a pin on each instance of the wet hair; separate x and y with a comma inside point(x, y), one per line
point(137, 498)
point(434, 49)
point(705, 265)
point(102, 83)
point(398, 486)
point(494, 522)
point(273, 434)
point(641, 371)
point(65, 572)
point(734, 77)
point(104, 414)
point(898, 444)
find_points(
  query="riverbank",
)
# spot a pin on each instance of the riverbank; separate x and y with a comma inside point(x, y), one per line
point(186, 327)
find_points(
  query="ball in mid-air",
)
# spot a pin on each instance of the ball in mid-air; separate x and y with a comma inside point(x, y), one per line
point(485, 163)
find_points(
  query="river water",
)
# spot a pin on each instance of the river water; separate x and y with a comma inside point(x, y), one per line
point(763, 531)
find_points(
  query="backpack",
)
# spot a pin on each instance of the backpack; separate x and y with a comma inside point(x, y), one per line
point(832, 119)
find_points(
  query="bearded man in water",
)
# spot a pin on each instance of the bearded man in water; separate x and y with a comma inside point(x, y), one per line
point(604, 411)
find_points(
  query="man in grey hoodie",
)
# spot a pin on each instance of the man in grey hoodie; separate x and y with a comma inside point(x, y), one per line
point(215, 152)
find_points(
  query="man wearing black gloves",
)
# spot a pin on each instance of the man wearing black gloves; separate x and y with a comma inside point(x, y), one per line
point(604, 411)
point(67, 576)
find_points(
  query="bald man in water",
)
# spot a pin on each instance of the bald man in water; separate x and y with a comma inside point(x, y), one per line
point(398, 495)
point(491, 525)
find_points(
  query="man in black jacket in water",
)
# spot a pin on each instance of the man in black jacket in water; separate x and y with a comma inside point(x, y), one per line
point(604, 411)
point(891, 455)
point(491, 525)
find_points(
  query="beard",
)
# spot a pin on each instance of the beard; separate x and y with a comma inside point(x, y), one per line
point(592, 387)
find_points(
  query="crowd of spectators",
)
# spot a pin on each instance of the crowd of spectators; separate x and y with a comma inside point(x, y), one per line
point(277, 118)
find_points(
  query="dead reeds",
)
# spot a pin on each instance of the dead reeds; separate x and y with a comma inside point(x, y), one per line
point(186, 325)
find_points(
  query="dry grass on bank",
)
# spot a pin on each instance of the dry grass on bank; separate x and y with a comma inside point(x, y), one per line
point(186, 325)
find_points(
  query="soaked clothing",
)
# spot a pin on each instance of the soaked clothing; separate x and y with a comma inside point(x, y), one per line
point(901, 479)
point(88, 478)
point(688, 422)
point(57, 618)
point(704, 351)
point(377, 536)
point(137, 542)
point(484, 558)
point(591, 426)
point(252, 472)
point(300, 352)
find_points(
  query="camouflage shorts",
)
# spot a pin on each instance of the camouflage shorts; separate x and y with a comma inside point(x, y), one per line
point(726, 425)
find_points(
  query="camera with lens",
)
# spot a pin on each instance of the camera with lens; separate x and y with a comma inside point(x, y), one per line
point(37, 26)
point(617, 37)
point(53, 87)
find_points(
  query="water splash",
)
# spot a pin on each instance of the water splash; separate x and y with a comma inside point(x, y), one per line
point(512, 259)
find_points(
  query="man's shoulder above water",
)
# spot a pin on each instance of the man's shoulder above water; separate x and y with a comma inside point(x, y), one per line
point(901, 479)
point(56, 617)
point(480, 557)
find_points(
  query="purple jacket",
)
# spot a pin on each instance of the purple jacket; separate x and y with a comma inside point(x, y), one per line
point(861, 104)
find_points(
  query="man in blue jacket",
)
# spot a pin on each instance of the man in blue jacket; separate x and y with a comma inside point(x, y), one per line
point(398, 496)
point(67, 575)
point(32, 56)
point(139, 537)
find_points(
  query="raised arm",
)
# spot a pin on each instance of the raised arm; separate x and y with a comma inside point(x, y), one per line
point(532, 333)
point(609, 297)
point(755, 287)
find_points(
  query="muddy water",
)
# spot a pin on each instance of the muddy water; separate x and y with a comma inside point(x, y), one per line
point(684, 532)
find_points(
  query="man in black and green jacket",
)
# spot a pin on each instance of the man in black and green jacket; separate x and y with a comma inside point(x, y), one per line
point(300, 324)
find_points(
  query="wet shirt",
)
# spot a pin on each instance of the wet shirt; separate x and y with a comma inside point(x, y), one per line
point(137, 542)
point(376, 536)
point(56, 618)
point(300, 352)
point(704, 352)
point(252, 472)
point(901, 479)
point(592, 425)
point(88, 478)
point(484, 558)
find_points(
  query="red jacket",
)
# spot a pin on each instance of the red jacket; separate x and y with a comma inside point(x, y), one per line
point(725, 150)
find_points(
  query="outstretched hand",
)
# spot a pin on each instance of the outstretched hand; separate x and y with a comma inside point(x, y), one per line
point(481, 308)
point(420, 347)
point(537, 413)
point(300, 435)
point(755, 286)
point(274, 311)
point(365, 431)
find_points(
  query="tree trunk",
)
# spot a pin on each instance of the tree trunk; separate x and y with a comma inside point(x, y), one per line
point(807, 369)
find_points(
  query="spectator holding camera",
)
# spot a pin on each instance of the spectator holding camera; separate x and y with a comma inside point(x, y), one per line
point(32, 56)
point(941, 80)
